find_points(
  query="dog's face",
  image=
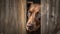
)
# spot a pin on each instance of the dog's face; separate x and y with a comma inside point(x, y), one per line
point(34, 17)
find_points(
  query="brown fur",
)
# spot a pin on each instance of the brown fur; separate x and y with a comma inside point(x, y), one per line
point(34, 9)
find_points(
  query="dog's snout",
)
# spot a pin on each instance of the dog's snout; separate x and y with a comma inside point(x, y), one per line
point(30, 27)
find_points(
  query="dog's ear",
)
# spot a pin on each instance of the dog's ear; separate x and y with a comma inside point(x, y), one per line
point(29, 4)
point(31, 8)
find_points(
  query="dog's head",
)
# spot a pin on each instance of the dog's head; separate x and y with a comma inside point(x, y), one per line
point(34, 17)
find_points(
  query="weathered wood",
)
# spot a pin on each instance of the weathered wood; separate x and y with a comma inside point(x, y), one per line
point(22, 16)
point(50, 16)
point(44, 28)
point(9, 17)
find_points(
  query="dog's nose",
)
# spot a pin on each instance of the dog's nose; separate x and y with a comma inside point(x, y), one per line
point(30, 26)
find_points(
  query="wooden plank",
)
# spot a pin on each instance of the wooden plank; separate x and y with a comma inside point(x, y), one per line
point(9, 18)
point(22, 14)
point(44, 22)
point(50, 16)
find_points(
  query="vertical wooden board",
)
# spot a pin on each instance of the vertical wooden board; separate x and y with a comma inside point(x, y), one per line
point(9, 9)
point(44, 22)
point(22, 16)
point(49, 17)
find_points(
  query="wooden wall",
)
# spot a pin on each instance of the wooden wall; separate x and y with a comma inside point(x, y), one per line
point(12, 17)
point(50, 11)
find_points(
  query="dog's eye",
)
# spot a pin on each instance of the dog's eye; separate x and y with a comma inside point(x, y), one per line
point(29, 13)
point(38, 16)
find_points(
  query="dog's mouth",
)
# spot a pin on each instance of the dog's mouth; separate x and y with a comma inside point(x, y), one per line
point(30, 29)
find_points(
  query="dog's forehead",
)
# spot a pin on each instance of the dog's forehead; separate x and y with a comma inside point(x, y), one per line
point(34, 7)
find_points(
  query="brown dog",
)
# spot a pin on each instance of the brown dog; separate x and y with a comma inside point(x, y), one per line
point(34, 17)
